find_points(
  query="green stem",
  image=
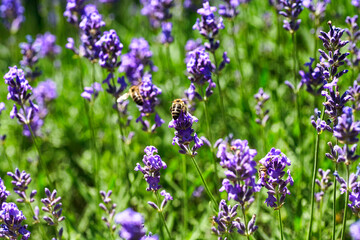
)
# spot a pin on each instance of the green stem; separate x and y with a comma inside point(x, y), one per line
point(346, 203)
point(97, 155)
point(237, 55)
point(281, 227)
point(125, 159)
point(203, 180)
point(334, 206)
point(320, 219)
point(220, 92)
point(51, 183)
point(33, 213)
point(185, 212)
point(162, 215)
point(316, 23)
point(246, 230)
point(11, 166)
point(313, 184)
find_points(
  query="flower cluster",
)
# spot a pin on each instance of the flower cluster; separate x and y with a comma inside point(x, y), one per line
point(354, 196)
point(166, 37)
point(356, 3)
point(12, 218)
point(53, 206)
point(240, 174)
point(275, 163)
point(12, 14)
point(167, 198)
point(92, 92)
point(74, 11)
point(324, 183)
point(347, 129)
point(342, 154)
point(353, 33)
point(291, 11)
point(200, 70)
point(3, 193)
point(21, 181)
point(354, 92)
point(158, 11)
point(317, 8)
point(149, 93)
point(30, 51)
point(355, 227)
point(132, 226)
point(262, 115)
point(313, 79)
point(48, 45)
point(109, 209)
point(229, 9)
point(151, 170)
point(133, 63)
point(318, 124)
point(209, 26)
point(110, 50)
point(190, 46)
point(184, 134)
point(227, 222)
point(20, 92)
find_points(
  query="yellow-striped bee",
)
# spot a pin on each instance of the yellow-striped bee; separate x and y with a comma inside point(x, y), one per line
point(177, 107)
point(262, 171)
point(134, 93)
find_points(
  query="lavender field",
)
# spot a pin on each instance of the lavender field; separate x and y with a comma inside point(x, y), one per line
point(179, 119)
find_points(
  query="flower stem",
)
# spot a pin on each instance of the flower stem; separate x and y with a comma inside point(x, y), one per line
point(346, 203)
point(220, 92)
point(313, 184)
point(334, 206)
point(246, 230)
point(316, 23)
point(11, 166)
point(281, 227)
point(51, 183)
point(320, 219)
point(162, 215)
point(185, 212)
point(203, 180)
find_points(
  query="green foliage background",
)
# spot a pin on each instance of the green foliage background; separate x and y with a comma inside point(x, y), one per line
point(265, 54)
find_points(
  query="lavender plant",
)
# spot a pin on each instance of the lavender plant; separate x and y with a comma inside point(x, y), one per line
point(74, 11)
point(109, 208)
point(12, 226)
point(353, 33)
point(12, 14)
point(30, 51)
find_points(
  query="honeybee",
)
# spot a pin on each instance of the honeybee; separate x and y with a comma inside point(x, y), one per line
point(134, 93)
point(262, 171)
point(177, 107)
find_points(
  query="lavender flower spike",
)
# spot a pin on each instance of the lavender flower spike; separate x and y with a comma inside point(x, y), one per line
point(355, 227)
point(21, 182)
point(291, 11)
point(12, 218)
point(275, 162)
point(3, 193)
point(110, 50)
point(132, 224)
point(109, 208)
point(318, 124)
point(12, 14)
point(263, 115)
point(347, 129)
point(324, 183)
point(151, 170)
point(92, 92)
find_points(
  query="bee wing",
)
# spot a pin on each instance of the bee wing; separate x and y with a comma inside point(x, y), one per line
point(123, 97)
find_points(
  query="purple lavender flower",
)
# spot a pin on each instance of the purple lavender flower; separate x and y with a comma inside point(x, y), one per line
point(313, 79)
point(12, 14)
point(132, 224)
point(240, 174)
point(229, 9)
point(31, 52)
point(354, 92)
point(53, 206)
point(190, 96)
point(318, 124)
point(324, 183)
point(317, 8)
point(167, 198)
point(291, 11)
point(92, 92)
point(166, 37)
point(3, 193)
point(209, 26)
point(275, 162)
point(151, 170)
point(44, 93)
point(74, 11)
point(21, 181)
point(224, 62)
point(354, 196)
point(190, 46)
point(184, 134)
point(277, 4)
point(334, 101)
point(150, 237)
point(355, 227)
point(353, 33)
point(47, 43)
point(12, 218)
point(113, 89)
point(263, 115)
point(157, 11)
point(133, 63)
point(109, 209)
point(342, 154)
point(347, 129)
point(226, 220)
point(90, 26)
point(356, 3)
point(110, 50)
